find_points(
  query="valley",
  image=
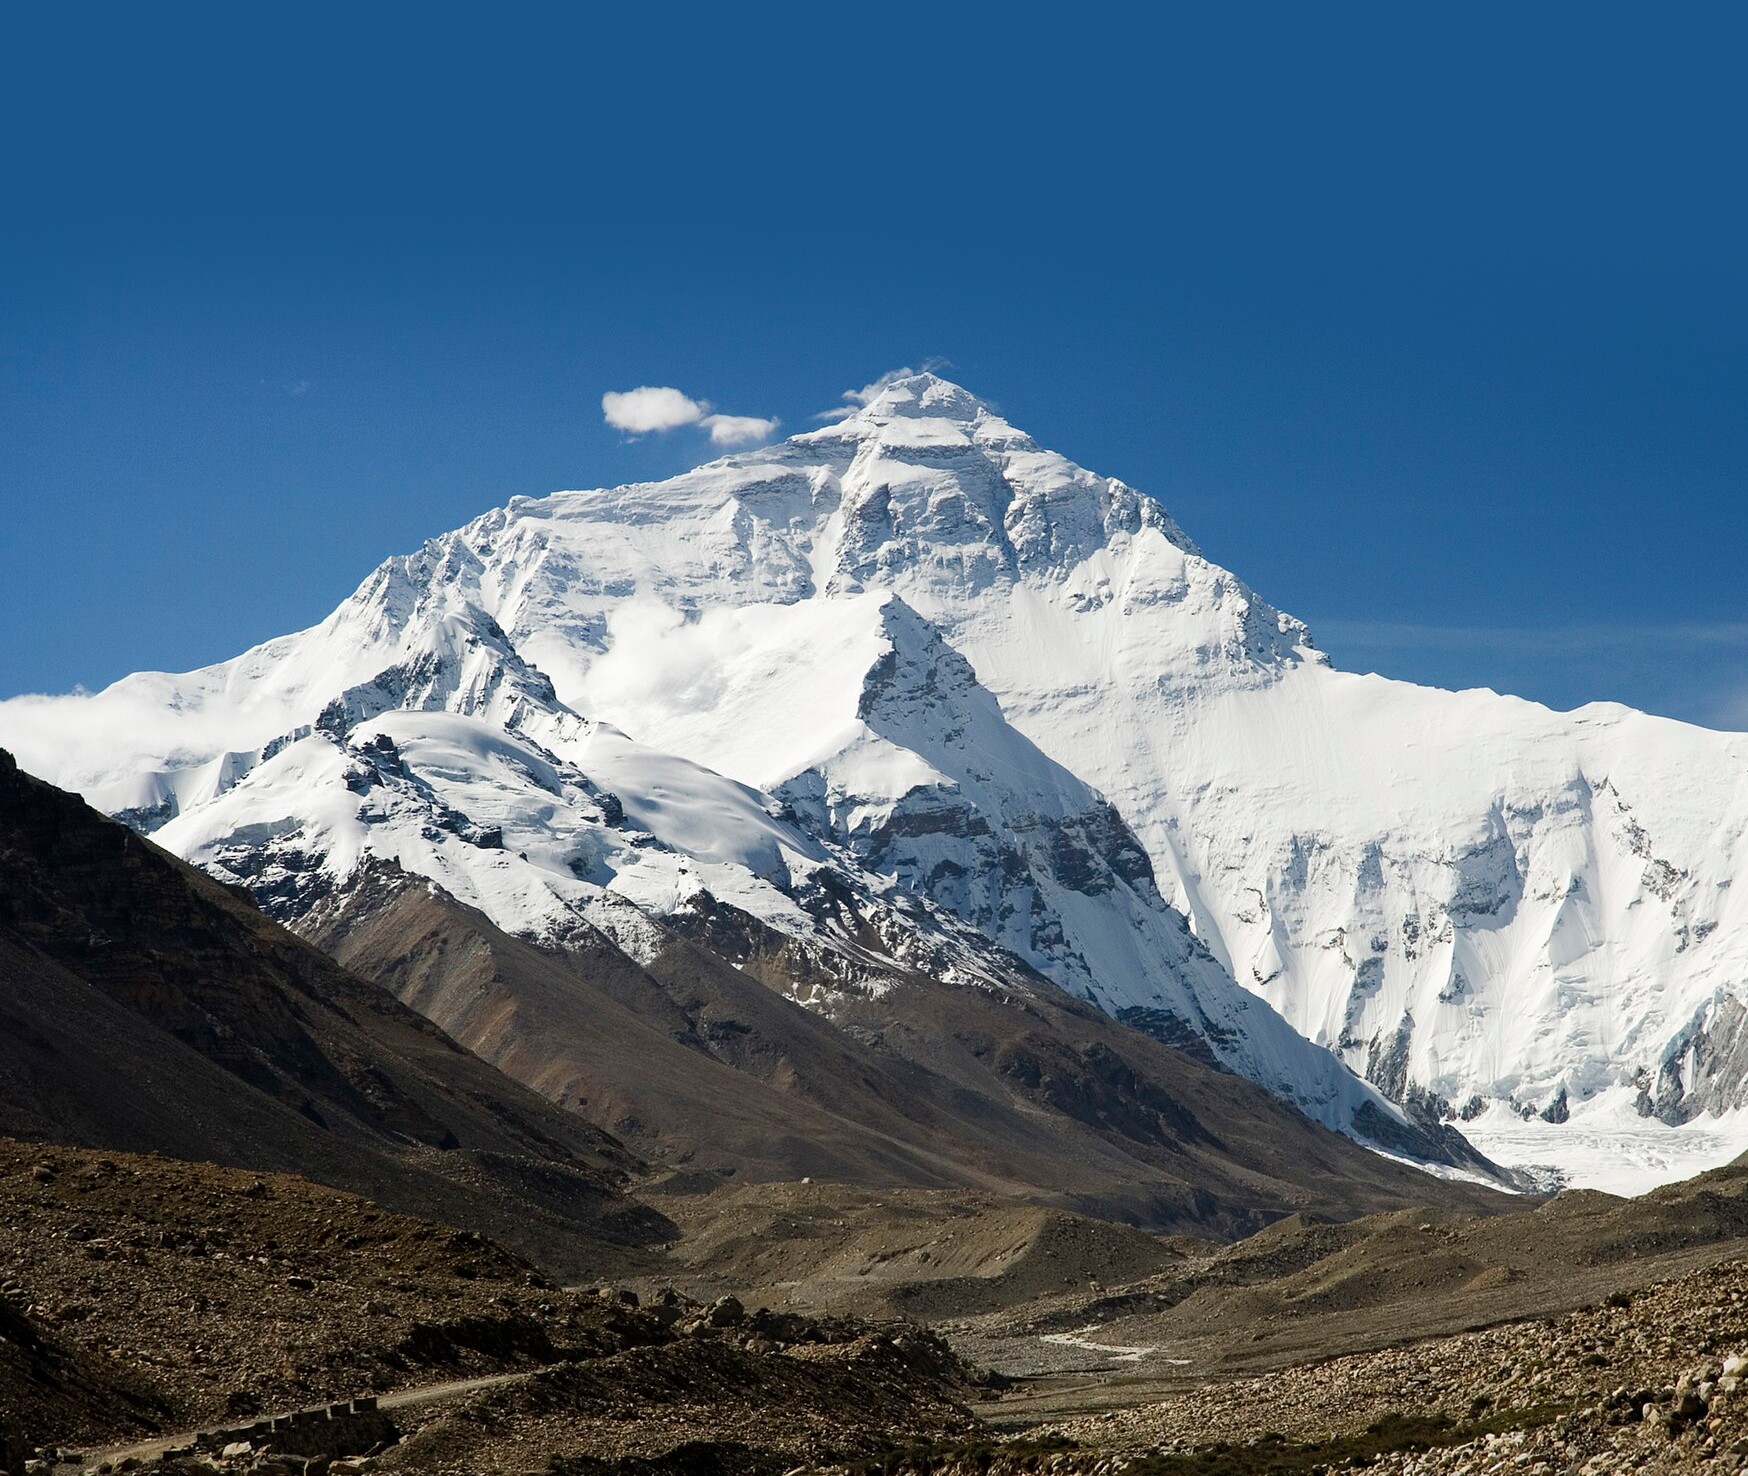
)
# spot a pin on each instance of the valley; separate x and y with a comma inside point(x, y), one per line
point(870, 955)
point(918, 1332)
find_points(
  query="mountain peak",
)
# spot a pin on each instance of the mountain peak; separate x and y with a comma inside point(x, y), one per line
point(923, 395)
point(1404, 874)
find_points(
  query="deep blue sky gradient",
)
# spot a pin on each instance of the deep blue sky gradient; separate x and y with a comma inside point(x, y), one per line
point(1427, 321)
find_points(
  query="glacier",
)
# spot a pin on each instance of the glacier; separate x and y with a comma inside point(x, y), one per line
point(1009, 705)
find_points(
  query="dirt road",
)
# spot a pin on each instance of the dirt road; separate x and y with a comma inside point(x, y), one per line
point(146, 1450)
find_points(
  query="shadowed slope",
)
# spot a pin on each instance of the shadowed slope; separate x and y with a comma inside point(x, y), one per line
point(147, 1008)
point(712, 1066)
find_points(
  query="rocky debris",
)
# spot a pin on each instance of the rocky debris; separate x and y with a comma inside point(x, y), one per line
point(226, 1296)
point(216, 1295)
point(13, 1448)
point(323, 1440)
point(719, 1400)
point(756, 1396)
point(350, 1428)
point(1304, 1287)
point(46, 1383)
point(756, 1393)
point(1655, 1382)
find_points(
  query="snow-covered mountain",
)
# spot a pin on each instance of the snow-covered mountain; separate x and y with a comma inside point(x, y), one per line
point(1005, 704)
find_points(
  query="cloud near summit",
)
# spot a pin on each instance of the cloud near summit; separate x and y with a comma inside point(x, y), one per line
point(653, 409)
point(855, 399)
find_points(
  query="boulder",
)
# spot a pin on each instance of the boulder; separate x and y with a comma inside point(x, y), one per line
point(726, 1312)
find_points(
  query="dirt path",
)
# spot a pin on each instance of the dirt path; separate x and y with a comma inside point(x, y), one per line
point(146, 1450)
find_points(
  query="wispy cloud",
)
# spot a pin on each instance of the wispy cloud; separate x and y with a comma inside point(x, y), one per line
point(1376, 635)
point(652, 409)
point(855, 399)
point(1729, 710)
point(1693, 670)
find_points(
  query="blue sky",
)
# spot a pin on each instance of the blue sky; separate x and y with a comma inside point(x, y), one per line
point(1428, 321)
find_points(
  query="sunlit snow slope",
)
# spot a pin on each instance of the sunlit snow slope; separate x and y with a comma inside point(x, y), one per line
point(1003, 695)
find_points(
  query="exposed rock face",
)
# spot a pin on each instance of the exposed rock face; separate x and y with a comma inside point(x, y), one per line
point(1706, 1068)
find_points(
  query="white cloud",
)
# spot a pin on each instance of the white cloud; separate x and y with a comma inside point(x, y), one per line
point(869, 391)
point(655, 660)
point(655, 408)
point(649, 408)
point(855, 399)
point(738, 430)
